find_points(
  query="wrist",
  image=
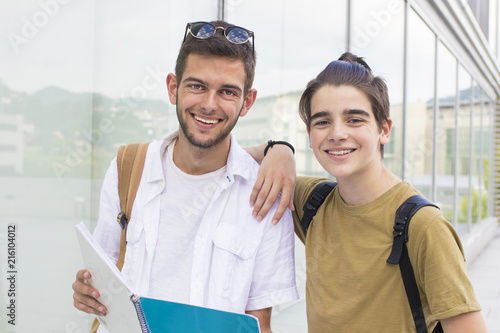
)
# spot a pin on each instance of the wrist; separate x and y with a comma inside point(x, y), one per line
point(271, 143)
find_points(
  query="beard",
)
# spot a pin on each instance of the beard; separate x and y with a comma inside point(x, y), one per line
point(205, 144)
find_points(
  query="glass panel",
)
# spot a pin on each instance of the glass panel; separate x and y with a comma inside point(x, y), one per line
point(292, 49)
point(379, 25)
point(133, 53)
point(45, 159)
point(420, 92)
point(464, 122)
point(445, 140)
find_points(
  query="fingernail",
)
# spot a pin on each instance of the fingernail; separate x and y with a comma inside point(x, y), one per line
point(254, 214)
point(274, 222)
point(259, 218)
point(94, 294)
point(252, 203)
point(102, 310)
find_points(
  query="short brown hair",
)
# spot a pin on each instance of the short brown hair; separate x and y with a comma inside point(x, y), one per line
point(349, 70)
point(218, 45)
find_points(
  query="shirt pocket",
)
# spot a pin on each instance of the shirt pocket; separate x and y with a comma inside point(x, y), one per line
point(233, 261)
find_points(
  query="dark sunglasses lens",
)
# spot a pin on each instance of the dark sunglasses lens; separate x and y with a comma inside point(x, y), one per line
point(237, 35)
point(202, 30)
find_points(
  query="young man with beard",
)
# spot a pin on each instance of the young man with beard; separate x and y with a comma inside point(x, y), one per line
point(192, 238)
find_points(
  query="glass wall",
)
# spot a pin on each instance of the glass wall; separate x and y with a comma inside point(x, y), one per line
point(379, 25)
point(463, 152)
point(445, 136)
point(420, 104)
point(292, 48)
point(77, 79)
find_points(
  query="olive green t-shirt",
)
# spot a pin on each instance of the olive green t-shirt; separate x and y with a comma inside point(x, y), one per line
point(351, 288)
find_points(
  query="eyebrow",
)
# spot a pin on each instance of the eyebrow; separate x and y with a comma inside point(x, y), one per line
point(362, 113)
point(224, 86)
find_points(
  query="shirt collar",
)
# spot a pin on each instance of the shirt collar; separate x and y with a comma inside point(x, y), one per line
point(239, 162)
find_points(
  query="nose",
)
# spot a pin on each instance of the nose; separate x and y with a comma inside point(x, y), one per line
point(337, 132)
point(209, 101)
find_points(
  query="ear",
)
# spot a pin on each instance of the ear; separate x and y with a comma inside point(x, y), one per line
point(248, 102)
point(172, 88)
point(385, 133)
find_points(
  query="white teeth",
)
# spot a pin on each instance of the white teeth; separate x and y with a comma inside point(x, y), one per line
point(340, 152)
point(206, 121)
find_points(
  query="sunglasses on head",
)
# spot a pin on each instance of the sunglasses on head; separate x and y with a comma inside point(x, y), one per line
point(233, 33)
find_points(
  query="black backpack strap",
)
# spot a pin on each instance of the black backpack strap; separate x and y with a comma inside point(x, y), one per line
point(316, 198)
point(399, 255)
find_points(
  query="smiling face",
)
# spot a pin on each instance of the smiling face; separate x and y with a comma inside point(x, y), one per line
point(343, 132)
point(209, 99)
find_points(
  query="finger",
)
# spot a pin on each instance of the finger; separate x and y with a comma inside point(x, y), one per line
point(261, 199)
point(291, 206)
point(268, 202)
point(85, 297)
point(283, 205)
point(95, 307)
point(83, 275)
point(256, 189)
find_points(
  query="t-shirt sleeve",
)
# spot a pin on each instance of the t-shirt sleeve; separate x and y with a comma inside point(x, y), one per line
point(441, 273)
point(303, 188)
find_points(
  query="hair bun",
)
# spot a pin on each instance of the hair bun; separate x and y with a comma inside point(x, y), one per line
point(349, 57)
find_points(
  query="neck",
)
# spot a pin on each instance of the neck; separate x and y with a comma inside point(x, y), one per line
point(356, 191)
point(198, 161)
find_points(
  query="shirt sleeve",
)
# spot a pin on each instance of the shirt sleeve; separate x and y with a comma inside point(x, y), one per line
point(441, 272)
point(273, 281)
point(107, 232)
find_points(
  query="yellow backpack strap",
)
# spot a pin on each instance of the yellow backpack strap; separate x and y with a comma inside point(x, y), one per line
point(130, 163)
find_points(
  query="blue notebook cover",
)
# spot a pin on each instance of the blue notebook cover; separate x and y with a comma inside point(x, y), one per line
point(164, 317)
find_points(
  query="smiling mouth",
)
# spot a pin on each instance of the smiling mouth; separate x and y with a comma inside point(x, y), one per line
point(340, 152)
point(206, 121)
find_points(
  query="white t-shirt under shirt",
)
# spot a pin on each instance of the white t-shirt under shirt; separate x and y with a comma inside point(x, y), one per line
point(183, 204)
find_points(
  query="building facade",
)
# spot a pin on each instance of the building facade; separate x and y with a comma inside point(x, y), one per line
point(77, 79)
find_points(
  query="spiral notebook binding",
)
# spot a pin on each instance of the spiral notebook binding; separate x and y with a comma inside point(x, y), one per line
point(140, 314)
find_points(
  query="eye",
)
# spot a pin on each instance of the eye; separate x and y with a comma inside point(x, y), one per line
point(228, 93)
point(196, 86)
point(355, 121)
point(320, 123)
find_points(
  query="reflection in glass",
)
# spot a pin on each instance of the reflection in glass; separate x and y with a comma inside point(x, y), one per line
point(420, 104)
point(292, 48)
point(379, 25)
point(445, 136)
point(463, 148)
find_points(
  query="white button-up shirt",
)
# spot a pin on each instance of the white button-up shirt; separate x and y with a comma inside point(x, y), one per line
point(238, 263)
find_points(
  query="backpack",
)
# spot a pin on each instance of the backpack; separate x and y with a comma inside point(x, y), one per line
point(399, 253)
point(130, 163)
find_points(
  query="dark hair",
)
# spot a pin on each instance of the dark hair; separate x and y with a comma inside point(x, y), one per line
point(349, 70)
point(218, 45)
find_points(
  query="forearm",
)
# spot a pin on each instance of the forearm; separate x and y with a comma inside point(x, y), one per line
point(264, 316)
point(471, 322)
point(257, 152)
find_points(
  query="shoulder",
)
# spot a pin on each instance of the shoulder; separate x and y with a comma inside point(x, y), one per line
point(304, 187)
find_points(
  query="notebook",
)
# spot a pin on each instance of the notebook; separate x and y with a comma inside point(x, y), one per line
point(130, 313)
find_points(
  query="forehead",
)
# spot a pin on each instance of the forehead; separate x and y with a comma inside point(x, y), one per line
point(215, 69)
point(338, 99)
